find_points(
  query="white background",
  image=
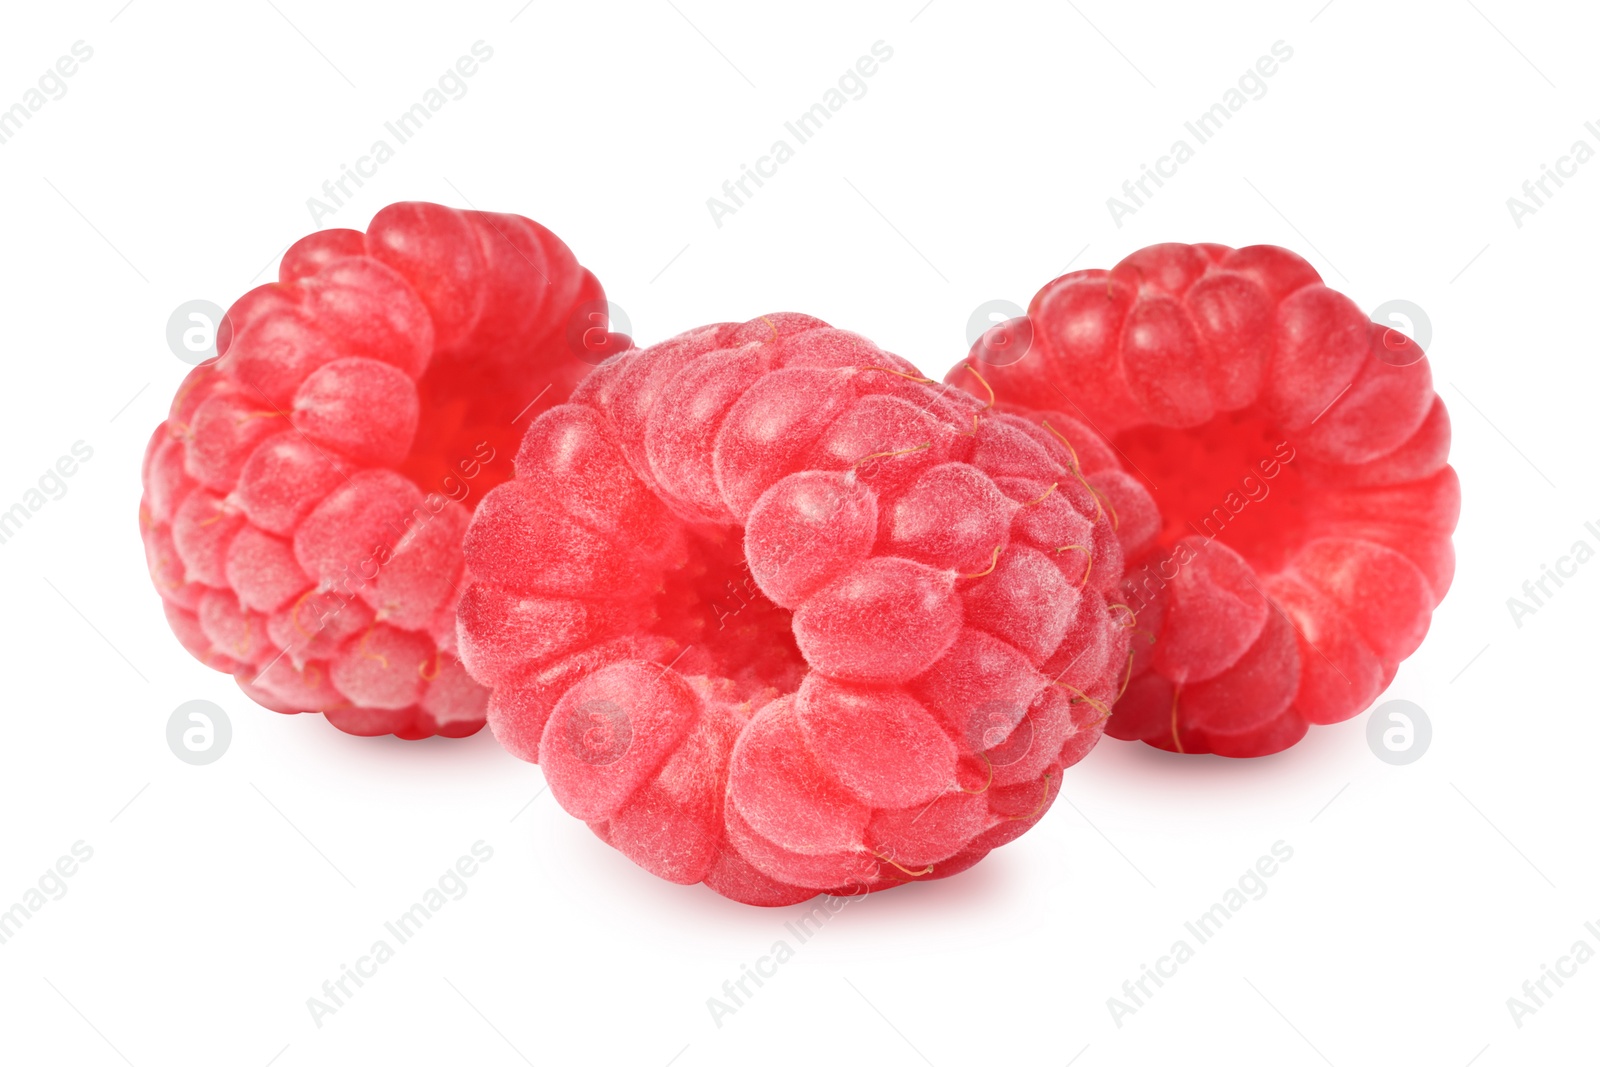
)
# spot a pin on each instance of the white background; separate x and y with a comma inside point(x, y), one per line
point(219, 898)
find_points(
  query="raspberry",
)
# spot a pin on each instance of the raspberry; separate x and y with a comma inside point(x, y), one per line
point(1297, 453)
point(305, 501)
point(775, 615)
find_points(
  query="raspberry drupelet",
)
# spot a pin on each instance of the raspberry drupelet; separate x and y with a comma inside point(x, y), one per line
point(305, 500)
point(1298, 455)
point(776, 613)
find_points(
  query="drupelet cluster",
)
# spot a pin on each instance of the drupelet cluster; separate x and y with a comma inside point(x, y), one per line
point(306, 498)
point(1298, 455)
point(777, 614)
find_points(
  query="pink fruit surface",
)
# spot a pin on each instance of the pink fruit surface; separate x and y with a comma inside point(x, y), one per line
point(305, 500)
point(1297, 454)
point(777, 614)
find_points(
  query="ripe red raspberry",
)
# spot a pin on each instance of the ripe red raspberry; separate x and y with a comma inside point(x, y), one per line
point(1297, 453)
point(305, 500)
point(775, 615)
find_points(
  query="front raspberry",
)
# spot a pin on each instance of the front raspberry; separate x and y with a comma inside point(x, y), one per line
point(1298, 455)
point(775, 615)
point(305, 501)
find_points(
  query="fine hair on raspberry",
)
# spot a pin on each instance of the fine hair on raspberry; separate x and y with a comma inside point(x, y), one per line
point(1298, 455)
point(305, 499)
point(776, 613)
